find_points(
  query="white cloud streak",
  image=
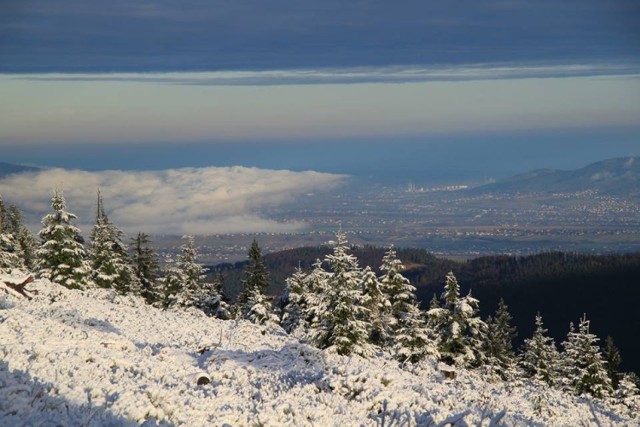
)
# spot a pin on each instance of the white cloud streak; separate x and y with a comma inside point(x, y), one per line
point(388, 74)
point(174, 201)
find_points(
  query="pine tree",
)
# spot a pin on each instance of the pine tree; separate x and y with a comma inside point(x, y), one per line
point(192, 274)
point(460, 333)
point(252, 303)
point(411, 339)
point(61, 256)
point(108, 256)
point(341, 326)
point(540, 359)
point(399, 294)
point(21, 241)
point(297, 295)
point(498, 347)
point(9, 259)
point(378, 308)
point(613, 359)
point(583, 367)
point(213, 301)
point(172, 283)
point(628, 393)
point(146, 269)
point(316, 283)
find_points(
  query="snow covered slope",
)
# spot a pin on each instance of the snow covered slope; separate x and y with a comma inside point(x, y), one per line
point(96, 358)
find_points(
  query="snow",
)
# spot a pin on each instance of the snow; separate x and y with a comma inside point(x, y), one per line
point(96, 358)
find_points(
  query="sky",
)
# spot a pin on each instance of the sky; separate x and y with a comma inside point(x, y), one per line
point(408, 90)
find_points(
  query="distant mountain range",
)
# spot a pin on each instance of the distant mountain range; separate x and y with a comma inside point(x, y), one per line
point(10, 168)
point(619, 177)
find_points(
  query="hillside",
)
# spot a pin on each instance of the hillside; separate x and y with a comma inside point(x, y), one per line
point(95, 358)
point(10, 168)
point(615, 177)
point(558, 285)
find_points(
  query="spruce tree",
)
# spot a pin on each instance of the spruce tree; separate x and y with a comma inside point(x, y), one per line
point(20, 240)
point(540, 359)
point(413, 340)
point(192, 274)
point(146, 268)
point(410, 336)
point(61, 256)
point(583, 366)
point(460, 333)
point(212, 301)
point(377, 313)
point(628, 393)
point(317, 284)
point(341, 326)
point(108, 256)
point(399, 294)
point(297, 295)
point(613, 359)
point(498, 347)
point(252, 303)
point(172, 282)
point(9, 258)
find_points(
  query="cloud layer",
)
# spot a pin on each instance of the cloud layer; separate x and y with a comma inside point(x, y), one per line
point(175, 201)
point(147, 35)
point(394, 74)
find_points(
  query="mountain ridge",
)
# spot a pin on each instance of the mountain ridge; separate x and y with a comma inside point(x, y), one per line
point(616, 177)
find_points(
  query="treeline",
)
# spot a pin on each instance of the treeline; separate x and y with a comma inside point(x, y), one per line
point(333, 303)
point(61, 255)
point(560, 286)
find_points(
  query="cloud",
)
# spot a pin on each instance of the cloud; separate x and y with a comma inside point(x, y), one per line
point(394, 74)
point(174, 201)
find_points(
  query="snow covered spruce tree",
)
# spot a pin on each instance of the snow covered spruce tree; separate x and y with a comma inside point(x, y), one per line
point(583, 367)
point(613, 359)
point(9, 259)
point(108, 256)
point(296, 306)
point(410, 338)
point(539, 358)
point(212, 301)
point(341, 326)
point(459, 332)
point(61, 256)
point(146, 269)
point(191, 273)
point(172, 282)
point(17, 244)
point(498, 347)
point(377, 313)
point(252, 302)
point(316, 284)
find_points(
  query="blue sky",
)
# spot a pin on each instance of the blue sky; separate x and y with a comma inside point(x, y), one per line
point(159, 84)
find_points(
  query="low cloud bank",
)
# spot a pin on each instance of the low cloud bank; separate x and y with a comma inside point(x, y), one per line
point(173, 201)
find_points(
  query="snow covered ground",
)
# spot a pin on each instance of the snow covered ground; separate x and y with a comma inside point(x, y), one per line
point(95, 358)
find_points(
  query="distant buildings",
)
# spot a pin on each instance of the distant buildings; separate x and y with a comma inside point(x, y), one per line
point(411, 188)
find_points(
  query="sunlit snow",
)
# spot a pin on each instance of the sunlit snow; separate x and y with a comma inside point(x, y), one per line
point(97, 358)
